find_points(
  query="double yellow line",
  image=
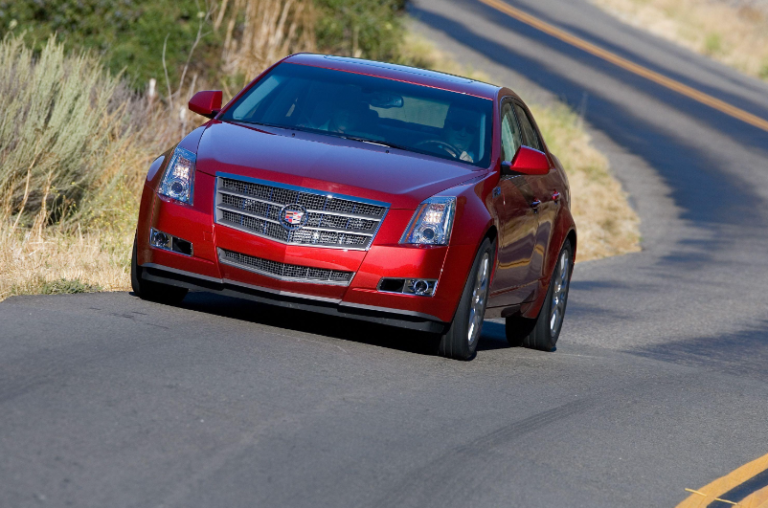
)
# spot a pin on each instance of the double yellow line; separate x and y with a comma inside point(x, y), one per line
point(599, 52)
point(710, 493)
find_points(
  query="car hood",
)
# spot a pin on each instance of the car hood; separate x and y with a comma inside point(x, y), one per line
point(328, 164)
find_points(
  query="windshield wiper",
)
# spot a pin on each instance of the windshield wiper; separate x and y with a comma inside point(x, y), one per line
point(373, 142)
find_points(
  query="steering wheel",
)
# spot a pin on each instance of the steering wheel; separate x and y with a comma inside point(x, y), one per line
point(439, 143)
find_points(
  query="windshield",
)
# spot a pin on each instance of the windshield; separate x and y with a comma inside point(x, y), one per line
point(411, 117)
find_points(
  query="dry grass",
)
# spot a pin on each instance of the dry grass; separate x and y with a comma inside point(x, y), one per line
point(267, 31)
point(607, 225)
point(57, 261)
point(734, 32)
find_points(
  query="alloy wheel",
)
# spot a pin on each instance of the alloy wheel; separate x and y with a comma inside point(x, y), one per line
point(559, 293)
point(479, 294)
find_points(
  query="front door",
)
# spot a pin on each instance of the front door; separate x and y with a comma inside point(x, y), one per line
point(518, 224)
point(545, 188)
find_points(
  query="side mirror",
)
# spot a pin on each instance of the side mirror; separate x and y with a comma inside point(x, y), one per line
point(207, 103)
point(527, 161)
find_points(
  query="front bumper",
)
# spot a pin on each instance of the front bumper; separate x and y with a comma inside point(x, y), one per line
point(299, 301)
point(356, 298)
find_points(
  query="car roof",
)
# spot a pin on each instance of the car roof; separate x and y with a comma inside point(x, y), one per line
point(398, 72)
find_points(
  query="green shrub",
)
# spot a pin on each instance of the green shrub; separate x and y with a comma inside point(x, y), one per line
point(764, 71)
point(713, 44)
point(362, 28)
point(128, 34)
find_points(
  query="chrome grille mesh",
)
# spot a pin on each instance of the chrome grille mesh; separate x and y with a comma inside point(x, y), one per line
point(294, 273)
point(330, 221)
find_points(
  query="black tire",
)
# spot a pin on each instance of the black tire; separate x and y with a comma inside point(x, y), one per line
point(542, 333)
point(460, 341)
point(153, 291)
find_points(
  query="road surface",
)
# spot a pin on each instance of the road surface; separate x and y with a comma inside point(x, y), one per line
point(659, 382)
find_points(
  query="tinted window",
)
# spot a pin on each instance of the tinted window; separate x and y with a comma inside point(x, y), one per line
point(510, 132)
point(529, 133)
point(416, 118)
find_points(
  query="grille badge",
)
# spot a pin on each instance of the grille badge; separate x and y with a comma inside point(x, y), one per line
point(293, 216)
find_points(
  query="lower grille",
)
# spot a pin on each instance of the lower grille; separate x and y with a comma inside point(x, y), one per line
point(283, 271)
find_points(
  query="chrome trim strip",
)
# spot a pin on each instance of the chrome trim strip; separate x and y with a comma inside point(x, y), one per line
point(390, 310)
point(312, 228)
point(286, 279)
point(269, 183)
point(316, 246)
point(181, 272)
point(228, 208)
point(310, 210)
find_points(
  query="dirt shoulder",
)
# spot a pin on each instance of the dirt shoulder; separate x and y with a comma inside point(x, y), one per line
point(733, 32)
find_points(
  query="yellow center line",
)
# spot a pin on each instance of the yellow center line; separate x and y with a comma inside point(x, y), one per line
point(758, 499)
point(615, 59)
point(704, 496)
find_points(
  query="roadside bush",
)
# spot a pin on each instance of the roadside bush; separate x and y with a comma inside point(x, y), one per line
point(127, 34)
point(361, 28)
point(58, 115)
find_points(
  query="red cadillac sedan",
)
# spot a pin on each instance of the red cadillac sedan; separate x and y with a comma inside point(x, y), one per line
point(370, 191)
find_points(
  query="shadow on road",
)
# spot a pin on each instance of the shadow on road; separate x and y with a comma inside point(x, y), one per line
point(339, 328)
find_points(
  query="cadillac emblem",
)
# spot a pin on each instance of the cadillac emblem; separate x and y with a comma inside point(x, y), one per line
point(293, 216)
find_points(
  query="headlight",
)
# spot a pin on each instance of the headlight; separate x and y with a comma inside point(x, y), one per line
point(432, 222)
point(179, 177)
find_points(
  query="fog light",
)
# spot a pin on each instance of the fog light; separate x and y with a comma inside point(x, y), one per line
point(418, 287)
point(160, 240)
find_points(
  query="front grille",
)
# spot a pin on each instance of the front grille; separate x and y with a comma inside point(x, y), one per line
point(294, 273)
point(327, 220)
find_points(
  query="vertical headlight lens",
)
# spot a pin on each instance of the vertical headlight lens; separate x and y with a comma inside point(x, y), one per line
point(432, 222)
point(179, 178)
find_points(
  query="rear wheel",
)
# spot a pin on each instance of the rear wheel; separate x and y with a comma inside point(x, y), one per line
point(542, 333)
point(460, 341)
point(153, 291)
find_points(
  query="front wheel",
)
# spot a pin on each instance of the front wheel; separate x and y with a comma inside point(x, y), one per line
point(542, 333)
point(460, 342)
point(153, 291)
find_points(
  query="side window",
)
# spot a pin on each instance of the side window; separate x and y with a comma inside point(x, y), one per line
point(510, 132)
point(529, 133)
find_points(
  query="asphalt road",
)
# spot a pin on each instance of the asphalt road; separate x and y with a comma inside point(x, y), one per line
point(658, 384)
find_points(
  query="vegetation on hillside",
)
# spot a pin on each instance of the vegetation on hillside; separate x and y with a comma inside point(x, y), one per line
point(133, 36)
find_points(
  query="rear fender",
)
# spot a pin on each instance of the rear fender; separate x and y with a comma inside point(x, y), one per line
point(563, 228)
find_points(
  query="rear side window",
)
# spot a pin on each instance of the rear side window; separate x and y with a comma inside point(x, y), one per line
point(510, 132)
point(530, 138)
